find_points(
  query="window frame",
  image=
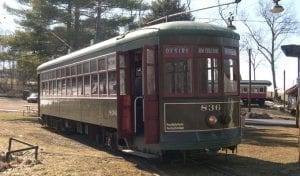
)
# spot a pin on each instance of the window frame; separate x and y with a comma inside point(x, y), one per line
point(170, 53)
point(235, 69)
point(208, 53)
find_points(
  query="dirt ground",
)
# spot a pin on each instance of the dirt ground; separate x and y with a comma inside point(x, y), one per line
point(15, 104)
point(265, 150)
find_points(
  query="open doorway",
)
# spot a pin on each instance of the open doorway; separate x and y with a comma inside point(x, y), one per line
point(137, 91)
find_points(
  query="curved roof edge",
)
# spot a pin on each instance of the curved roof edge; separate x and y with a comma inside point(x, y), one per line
point(148, 31)
point(256, 82)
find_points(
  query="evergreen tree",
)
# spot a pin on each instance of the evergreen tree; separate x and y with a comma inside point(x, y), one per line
point(163, 8)
point(52, 27)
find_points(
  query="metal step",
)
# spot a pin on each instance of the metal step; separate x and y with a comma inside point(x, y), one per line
point(139, 154)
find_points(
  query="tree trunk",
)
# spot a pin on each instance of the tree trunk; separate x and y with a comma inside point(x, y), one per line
point(69, 22)
point(76, 25)
point(274, 80)
point(98, 23)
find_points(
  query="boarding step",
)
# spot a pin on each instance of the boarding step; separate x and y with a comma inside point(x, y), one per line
point(139, 154)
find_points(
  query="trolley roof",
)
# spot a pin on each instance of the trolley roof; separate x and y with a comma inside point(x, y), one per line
point(169, 28)
point(256, 82)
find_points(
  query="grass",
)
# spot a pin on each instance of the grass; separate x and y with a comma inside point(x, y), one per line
point(17, 116)
point(265, 150)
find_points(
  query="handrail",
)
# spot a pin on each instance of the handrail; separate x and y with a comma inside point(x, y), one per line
point(135, 102)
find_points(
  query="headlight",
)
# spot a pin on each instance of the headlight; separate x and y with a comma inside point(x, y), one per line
point(212, 120)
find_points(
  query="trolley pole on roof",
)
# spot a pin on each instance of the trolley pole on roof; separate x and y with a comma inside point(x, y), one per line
point(249, 87)
point(190, 11)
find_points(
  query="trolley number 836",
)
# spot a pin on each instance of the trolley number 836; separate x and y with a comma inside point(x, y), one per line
point(210, 107)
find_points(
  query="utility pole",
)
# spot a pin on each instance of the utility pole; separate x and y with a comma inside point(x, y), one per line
point(249, 86)
point(284, 90)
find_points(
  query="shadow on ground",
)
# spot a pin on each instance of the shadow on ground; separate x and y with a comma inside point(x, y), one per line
point(269, 137)
point(232, 164)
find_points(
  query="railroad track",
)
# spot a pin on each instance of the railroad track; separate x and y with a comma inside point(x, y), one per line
point(213, 169)
point(221, 170)
point(145, 164)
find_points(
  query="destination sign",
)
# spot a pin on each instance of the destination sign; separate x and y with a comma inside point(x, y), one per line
point(202, 50)
point(208, 51)
point(230, 52)
point(177, 51)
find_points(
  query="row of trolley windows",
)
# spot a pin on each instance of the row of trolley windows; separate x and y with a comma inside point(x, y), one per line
point(253, 90)
point(102, 64)
point(94, 84)
point(179, 75)
point(90, 78)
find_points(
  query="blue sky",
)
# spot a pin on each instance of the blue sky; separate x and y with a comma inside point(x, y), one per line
point(289, 64)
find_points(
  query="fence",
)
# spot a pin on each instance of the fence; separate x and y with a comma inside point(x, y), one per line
point(31, 147)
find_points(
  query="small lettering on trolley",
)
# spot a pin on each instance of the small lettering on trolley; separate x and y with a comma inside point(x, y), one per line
point(175, 126)
point(210, 107)
point(177, 51)
point(230, 51)
point(206, 50)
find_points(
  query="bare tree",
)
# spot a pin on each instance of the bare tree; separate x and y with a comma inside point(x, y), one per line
point(256, 61)
point(188, 4)
point(269, 35)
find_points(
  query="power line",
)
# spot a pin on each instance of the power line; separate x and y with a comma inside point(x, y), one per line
point(190, 11)
point(253, 21)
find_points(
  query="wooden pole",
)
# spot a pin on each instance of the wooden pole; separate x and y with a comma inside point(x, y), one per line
point(298, 104)
point(249, 86)
point(284, 90)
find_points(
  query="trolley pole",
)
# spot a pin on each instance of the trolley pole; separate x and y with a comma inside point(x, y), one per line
point(249, 87)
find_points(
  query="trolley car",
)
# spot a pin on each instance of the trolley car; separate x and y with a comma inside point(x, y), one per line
point(167, 87)
point(258, 93)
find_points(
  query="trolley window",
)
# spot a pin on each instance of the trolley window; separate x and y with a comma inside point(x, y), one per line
point(79, 86)
point(59, 87)
point(94, 84)
point(69, 86)
point(86, 67)
point(208, 78)
point(63, 72)
point(111, 62)
point(68, 71)
point(102, 64)
point(230, 71)
point(87, 85)
point(178, 70)
point(73, 70)
point(50, 88)
point(178, 76)
point(58, 73)
point(79, 69)
point(122, 75)
point(54, 88)
point(112, 82)
point(262, 89)
point(102, 84)
point(74, 86)
point(93, 65)
point(151, 85)
point(63, 87)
